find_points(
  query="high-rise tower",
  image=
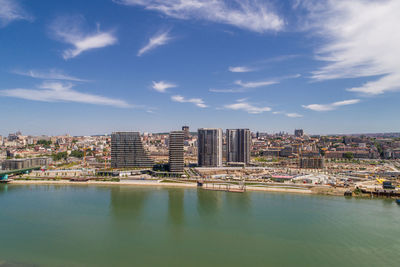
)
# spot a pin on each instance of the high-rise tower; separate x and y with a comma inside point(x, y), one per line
point(127, 151)
point(176, 158)
point(238, 145)
point(209, 147)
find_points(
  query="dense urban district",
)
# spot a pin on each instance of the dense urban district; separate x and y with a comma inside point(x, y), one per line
point(235, 160)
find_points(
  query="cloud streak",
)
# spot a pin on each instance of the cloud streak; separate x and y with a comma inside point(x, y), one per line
point(197, 101)
point(255, 84)
point(245, 86)
point(240, 69)
point(290, 115)
point(243, 105)
point(157, 40)
point(361, 40)
point(52, 74)
point(162, 86)
point(70, 30)
point(250, 15)
point(332, 106)
point(62, 92)
point(10, 10)
point(294, 115)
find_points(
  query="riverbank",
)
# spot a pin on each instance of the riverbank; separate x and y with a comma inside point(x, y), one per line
point(160, 183)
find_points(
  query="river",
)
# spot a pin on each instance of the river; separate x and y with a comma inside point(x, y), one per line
point(79, 225)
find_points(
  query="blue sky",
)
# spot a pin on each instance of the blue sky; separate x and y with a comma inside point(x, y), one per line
point(93, 67)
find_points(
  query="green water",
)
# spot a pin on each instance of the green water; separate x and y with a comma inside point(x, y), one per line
point(142, 226)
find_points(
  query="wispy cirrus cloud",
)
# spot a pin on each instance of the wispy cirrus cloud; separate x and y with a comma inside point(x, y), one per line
point(197, 101)
point(251, 15)
point(52, 74)
point(241, 69)
point(162, 86)
point(245, 86)
point(294, 115)
point(70, 30)
point(244, 105)
point(11, 10)
point(331, 106)
point(62, 92)
point(255, 84)
point(260, 64)
point(361, 40)
point(290, 115)
point(155, 41)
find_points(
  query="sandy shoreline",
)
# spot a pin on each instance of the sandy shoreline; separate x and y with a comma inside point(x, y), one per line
point(157, 184)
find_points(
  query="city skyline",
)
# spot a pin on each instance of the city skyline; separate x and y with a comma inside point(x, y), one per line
point(73, 67)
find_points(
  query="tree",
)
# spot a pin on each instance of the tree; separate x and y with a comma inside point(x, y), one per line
point(77, 154)
point(44, 143)
point(60, 156)
point(348, 155)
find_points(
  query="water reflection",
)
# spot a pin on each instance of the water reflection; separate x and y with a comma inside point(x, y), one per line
point(208, 202)
point(127, 203)
point(240, 202)
point(176, 207)
point(3, 189)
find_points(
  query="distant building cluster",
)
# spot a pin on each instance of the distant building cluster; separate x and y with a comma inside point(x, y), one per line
point(206, 147)
point(127, 148)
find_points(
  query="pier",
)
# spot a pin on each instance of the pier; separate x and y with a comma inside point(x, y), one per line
point(226, 187)
point(382, 193)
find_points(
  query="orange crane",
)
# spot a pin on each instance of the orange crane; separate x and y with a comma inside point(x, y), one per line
point(84, 155)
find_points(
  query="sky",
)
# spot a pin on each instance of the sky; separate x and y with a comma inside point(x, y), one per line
point(94, 67)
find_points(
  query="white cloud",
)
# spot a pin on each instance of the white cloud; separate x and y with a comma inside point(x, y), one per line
point(70, 30)
point(294, 115)
point(290, 115)
point(243, 105)
point(52, 74)
point(255, 84)
point(245, 86)
point(157, 40)
point(62, 92)
point(332, 106)
point(251, 15)
point(362, 40)
point(162, 86)
point(197, 101)
point(10, 10)
point(240, 69)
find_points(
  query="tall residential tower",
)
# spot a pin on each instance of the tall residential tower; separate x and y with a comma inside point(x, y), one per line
point(209, 147)
point(238, 145)
point(176, 159)
point(127, 151)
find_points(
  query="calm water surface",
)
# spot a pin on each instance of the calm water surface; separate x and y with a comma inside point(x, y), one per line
point(141, 226)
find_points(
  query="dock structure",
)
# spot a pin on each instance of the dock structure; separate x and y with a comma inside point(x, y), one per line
point(390, 193)
point(226, 187)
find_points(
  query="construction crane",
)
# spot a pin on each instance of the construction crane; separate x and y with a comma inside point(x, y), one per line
point(105, 159)
point(84, 155)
